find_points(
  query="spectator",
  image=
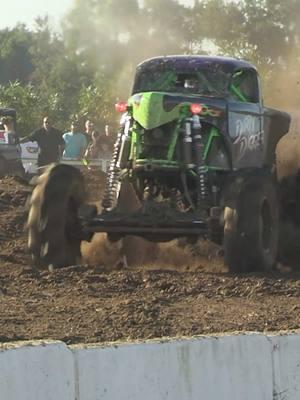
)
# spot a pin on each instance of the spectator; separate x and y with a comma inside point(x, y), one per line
point(99, 147)
point(109, 140)
point(11, 138)
point(8, 125)
point(75, 142)
point(89, 129)
point(50, 141)
point(93, 148)
point(9, 130)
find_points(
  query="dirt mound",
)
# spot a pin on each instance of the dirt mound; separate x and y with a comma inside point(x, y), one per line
point(179, 291)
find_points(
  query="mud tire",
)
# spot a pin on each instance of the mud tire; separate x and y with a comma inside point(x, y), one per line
point(252, 227)
point(53, 223)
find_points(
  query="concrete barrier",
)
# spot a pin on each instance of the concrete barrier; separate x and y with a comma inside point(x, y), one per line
point(36, 371)
point(286, 366)
point(238, 367)
point(227, 368)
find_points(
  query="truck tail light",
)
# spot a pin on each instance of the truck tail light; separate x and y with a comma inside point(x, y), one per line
point(121, 106)
point(195, 108)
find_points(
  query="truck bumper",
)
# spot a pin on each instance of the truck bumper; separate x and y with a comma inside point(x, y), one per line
point(149, 227)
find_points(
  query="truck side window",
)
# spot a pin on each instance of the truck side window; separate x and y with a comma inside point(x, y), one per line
point(244, 86)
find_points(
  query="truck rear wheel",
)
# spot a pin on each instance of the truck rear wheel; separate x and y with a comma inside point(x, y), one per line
point(252, 227)
point(53, 222)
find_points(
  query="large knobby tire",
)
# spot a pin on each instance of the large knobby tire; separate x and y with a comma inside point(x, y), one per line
point(252, 227)
point(53, 223)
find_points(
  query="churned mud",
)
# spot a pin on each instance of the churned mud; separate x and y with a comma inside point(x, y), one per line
point(171, 291)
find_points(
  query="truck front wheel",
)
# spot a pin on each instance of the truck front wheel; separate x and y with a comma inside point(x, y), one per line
point(53, 222)
point(251, 227)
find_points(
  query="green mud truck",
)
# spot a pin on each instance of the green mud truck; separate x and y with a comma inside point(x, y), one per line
point(194, 157)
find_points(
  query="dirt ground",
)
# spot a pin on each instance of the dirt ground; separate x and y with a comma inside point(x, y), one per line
point(176, 292)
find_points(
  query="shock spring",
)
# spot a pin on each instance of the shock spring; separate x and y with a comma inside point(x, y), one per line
point(112, 180)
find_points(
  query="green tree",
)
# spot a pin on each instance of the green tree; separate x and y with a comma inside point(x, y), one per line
point(56, 75)
point(94, 104)
point(15, 59)
point(26, 102)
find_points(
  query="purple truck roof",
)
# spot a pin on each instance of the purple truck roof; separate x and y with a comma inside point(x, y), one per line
point(194, 62)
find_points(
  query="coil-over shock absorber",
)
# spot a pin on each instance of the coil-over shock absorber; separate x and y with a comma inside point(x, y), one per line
point(198, 145)
point(111, 187)
point(187, 152)
point(121, 151)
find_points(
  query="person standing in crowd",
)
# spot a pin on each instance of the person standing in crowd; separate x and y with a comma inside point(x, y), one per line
point(99, 146)
point(12, 139)
point(108, 141)
point(89, 129)
point(50, 141)
point(94, 147)
point(9, 130)
point(75, 142)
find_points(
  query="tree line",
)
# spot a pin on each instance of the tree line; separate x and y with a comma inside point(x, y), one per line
point(82, 70)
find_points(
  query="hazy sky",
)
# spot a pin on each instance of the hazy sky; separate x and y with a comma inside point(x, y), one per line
point(26, 11)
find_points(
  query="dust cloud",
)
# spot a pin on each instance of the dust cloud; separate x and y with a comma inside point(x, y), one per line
point(283, 92)
point(203, 255)
point(282, 89)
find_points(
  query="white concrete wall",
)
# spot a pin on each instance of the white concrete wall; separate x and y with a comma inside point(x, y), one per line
point(286, 367)
point(236, 367)
point(37, 371)
point(227, 368)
